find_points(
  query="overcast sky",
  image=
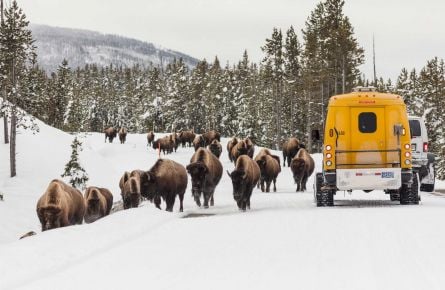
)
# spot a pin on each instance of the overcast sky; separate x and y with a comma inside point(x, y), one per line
point(407, 32)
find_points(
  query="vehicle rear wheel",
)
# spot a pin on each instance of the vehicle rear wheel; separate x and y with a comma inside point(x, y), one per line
point(318, 183)
point(427, 187)
point(410, 195)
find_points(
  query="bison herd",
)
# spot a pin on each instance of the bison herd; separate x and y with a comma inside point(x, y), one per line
point(62, 205)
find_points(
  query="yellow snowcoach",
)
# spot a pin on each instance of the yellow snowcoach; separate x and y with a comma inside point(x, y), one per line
point(366, 146)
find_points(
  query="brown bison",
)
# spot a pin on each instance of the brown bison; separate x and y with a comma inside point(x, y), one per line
point(290, 149)
point(239, 149)
point(198, 142)
point(187, 137)
point(61, 205)
point(110, 133)
point(150, 138)
point(216, 148)
point(167, 179)
point(302, 167)
point(210, 136)
point(250, 147)
point(124, 179)
point(230, 145)
point(244, 178)
point(165, 144)
point(98, 203)
point(175, 139)
point(205, 170)
point(131, 193)
point(122, 135)
point(269, 167)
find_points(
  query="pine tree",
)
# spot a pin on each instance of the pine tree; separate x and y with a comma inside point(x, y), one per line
point(16, 50)
point(73, 170)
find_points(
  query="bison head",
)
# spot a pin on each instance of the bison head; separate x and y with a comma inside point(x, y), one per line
point(50, 217)
point(239, 183)
point(298, 168)
point(131, 195)
point(198, 171)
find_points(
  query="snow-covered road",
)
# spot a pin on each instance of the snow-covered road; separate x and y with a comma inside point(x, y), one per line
point(284, 242)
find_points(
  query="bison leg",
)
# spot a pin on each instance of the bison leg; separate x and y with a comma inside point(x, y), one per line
point(289, 159)
point(284, 160)
point(268, 185)
point(303, 182)
point(275, 184)
point(157, 201)
point(181, 199)
point(212, 202)
point(198, 200)
point(262, 185)
point(170, 201)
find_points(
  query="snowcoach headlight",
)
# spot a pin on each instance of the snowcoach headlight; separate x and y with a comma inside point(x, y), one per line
point(407, 162)
point(329, 155)
point(328, 147)
point(329, 163)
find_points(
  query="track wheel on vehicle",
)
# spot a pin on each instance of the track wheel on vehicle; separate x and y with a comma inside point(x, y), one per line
point(394, 195)
point(410, 195)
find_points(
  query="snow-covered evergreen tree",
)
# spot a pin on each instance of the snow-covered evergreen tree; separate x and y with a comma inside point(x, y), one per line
point(75, 173)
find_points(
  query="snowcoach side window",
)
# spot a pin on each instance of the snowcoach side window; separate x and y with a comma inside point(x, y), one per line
point(367, 122)
point(414, 126)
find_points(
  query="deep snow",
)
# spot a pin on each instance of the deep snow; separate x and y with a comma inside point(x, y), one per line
point(284, 242)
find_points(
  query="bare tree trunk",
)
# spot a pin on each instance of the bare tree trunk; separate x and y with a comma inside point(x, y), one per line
point(308, 124)
point(6, 131)
point(5, 117)
point(344, 75)
point(12, 146)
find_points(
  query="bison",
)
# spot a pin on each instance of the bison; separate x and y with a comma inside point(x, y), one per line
point(198, 142)
point(244, 178)
point(110, 133)
point(302, 167)
point(216, 148)
point(167, 179)
point(250, 147)
point(61, 205)
point(131, 193)
point(187, 137)
point(210, 136)
point(150, 138)
point(165, 144)
point(269, 167)
point(239, 149)
point(122, 135)
point(98, 203)
point(205, 170)
point(290, 148)
point(230, 145)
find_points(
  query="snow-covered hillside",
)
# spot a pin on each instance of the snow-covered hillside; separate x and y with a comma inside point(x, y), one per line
point(284, 242)
point(81, 47)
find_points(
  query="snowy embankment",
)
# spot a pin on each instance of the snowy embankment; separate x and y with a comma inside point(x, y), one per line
point(284, 242)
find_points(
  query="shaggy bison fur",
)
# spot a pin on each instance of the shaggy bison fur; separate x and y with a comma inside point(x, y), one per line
point(269, 167)
point(167, 179)
point(210, 136)
point(150, 138)
point(123, 135)
point(61, 205)
point(290, 149)
point(302, 167)
point(110, 133)
point(216, 148)
point(205, 170)
point(198, 142)
point(230, 145)
point(187, 137)
point(244, 178)
point(240, 148)
point(98, 203)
